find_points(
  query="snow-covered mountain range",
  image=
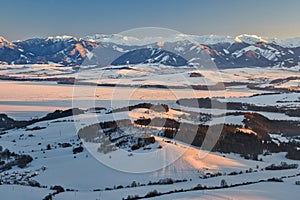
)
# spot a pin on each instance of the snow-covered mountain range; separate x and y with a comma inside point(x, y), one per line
point(176, 50)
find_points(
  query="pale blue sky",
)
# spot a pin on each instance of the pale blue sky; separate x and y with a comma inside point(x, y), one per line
point(22, 19)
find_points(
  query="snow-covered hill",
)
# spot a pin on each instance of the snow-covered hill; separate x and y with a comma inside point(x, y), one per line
point(51, 143)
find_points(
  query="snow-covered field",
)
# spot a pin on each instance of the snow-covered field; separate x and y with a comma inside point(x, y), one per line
point(284, 99)
point(92, 175)
point(83, 173)
point(155, 74)
point(22, 192)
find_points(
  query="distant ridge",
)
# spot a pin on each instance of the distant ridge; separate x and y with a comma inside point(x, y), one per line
point(226, 52)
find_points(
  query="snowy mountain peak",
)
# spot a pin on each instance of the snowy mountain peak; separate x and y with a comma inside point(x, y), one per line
point(5, 43)
point(250, 39)
point(61, 38)
point(212, 39)
point(114, 38)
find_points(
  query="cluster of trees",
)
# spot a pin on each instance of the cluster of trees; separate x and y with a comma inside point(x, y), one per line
point(9, 159)
point(9, 123)
point(141, 142)
point(78, 150)
point(155, 193)
point(282, 166)
point(5, 154)
point(103, 133)
point(58, 189)
point(157, 108)
point(293, 153)
point(230, 140)
point(164, 181)
point(214, 103)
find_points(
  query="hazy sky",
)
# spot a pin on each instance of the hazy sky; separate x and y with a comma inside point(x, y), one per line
point(22, 19)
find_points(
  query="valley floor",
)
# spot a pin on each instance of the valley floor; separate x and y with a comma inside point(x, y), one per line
point(170, 167)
